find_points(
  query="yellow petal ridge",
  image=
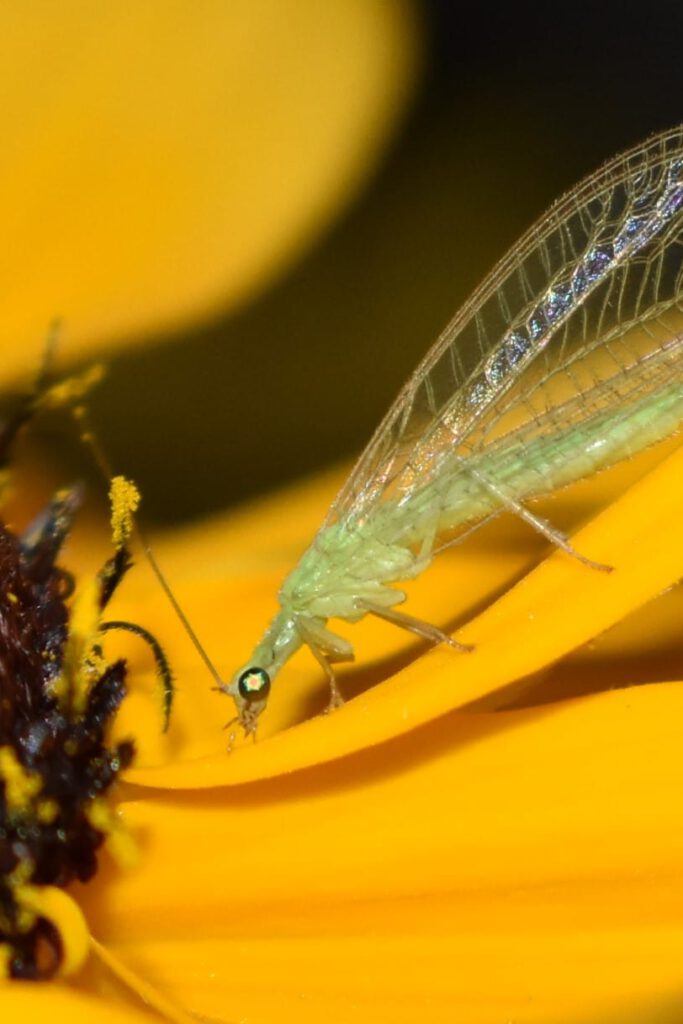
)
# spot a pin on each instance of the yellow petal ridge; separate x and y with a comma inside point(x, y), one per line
point(20, 784)
point(166, 1007)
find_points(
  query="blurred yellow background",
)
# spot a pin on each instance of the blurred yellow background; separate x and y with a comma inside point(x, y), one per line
point(319, 188)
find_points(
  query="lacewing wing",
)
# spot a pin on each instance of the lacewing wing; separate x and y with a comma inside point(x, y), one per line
point(567, 359)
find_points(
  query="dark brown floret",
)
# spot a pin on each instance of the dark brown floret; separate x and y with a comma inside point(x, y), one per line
point(47, 838)
point(57, 699)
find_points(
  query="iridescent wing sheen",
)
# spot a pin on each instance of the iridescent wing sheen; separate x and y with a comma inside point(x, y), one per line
point(571, 321)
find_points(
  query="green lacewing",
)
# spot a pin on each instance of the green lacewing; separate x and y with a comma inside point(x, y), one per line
point(566, 360)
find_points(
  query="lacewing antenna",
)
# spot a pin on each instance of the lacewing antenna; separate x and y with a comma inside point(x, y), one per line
point(92, 443)
point(165, 586)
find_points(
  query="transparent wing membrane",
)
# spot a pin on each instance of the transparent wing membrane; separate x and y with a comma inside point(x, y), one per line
point(567, 358)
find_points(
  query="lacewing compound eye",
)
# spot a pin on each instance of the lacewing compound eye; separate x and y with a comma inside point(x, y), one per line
point(254, 684)
point(568, 358)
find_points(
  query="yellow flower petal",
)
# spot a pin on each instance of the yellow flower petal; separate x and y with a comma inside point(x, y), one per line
point(26, 1002)
point(161, 159)
point(520, 865)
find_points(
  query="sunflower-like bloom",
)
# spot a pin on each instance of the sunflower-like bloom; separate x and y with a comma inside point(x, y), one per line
point(483, 837)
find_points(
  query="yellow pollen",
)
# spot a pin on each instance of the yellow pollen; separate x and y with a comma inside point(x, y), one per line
point(125, 500)
point(120, 843)
point(46, 811)
point(26, 916)
point(99, 815)
point(21, 874)
point(73, 685)
point(20, 785)
point(97, 663)
point(70, 390)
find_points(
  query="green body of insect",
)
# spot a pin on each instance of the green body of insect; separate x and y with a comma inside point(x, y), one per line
point(567, 360)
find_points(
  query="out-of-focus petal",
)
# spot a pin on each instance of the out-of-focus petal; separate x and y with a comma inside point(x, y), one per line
point(162, 159)
point(522, 865)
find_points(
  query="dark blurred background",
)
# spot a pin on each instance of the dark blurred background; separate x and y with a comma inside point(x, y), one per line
point(515, 105)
